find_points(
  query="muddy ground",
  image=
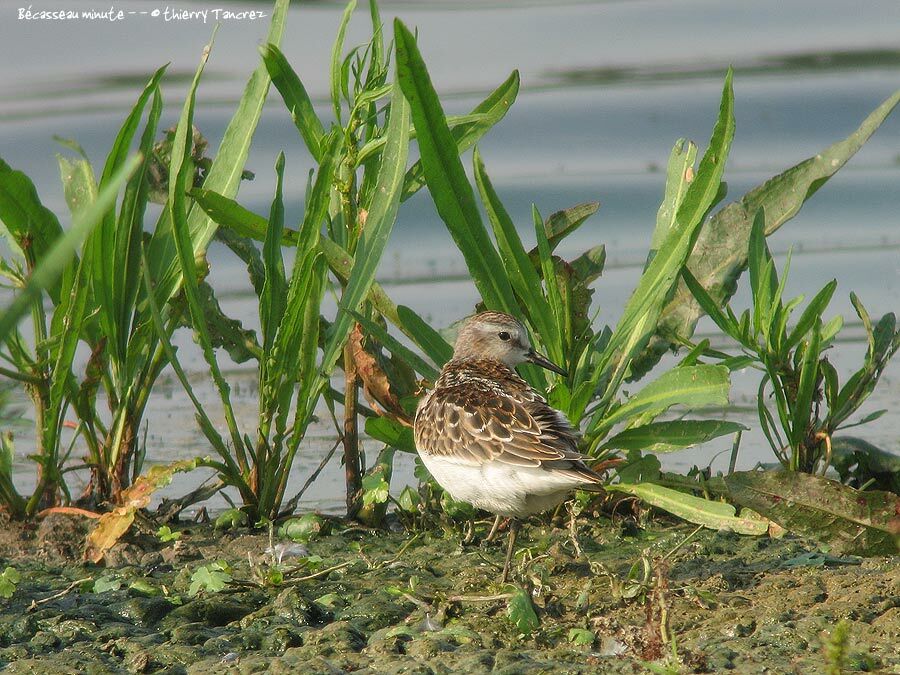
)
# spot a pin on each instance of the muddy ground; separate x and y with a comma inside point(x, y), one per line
point(421, 601)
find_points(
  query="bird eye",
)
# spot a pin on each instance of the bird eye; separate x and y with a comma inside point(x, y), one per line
point(503, 335)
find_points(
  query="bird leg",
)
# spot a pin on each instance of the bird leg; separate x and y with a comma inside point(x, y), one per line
point(494, 529)
point(513, 531)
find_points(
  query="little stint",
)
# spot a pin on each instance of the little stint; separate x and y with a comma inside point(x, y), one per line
point(489, 438)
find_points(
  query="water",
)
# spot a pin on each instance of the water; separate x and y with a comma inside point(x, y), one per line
point(607, 87)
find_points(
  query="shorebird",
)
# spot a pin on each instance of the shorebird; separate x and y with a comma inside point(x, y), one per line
point(489, 438)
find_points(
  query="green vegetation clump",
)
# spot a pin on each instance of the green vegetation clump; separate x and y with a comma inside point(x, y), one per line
point(383, 101)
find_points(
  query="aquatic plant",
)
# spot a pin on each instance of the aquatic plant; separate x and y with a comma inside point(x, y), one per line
point(102, 304)
point(553, 296)
point(356, 216)
point(55, 290)
point(364, 161)
point(810, 405)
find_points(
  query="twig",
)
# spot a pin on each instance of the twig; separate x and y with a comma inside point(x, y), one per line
point(421, 604)
point(734, 452)
point(479, 598)
point(401, 551)
point(293, 501)
point(681, 543)
point(68, 589)
point(322, 573)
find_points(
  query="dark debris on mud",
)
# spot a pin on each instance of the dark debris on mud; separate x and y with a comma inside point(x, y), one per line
point(423, 602)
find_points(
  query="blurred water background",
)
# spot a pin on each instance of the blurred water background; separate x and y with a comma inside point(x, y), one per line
point(607, 88)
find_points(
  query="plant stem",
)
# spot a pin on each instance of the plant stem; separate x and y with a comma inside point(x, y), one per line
point(351, 436)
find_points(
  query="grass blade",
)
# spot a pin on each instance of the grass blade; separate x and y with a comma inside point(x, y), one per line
point(639, 318)
point(181, 171)
point(224, 174)
point(522, 274)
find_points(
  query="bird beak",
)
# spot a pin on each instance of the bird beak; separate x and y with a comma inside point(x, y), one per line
point(542, 361)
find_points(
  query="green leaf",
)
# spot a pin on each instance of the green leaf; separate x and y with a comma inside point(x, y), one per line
point(375, 488)
point(811, 314)
point(392, 433)
point(409, 500)
point(31, 229)
point(639, 468)
point(210, 578)
point(517, 264)
point(114, 286)
point(849, 521)
point(639, 319)
point(809, 371)
point(720, 254)
point(57, 258)
point(165, 534)
point(181, 171)
point(560, 329)
point(714, 515)
point(679, 174)
point(337, 78)
point(9, 580)
point(691, 386)
point(446, 178)
point(581, 636)
point(469, 130)
point(307, 527)
point(520, 610)
point(224, 175)
point(295, 98)
point(563, 223)
point(673, 435)
point(274, 290)
point(106, 583)
point(79, 184)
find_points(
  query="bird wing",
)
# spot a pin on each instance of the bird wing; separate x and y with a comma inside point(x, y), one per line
point(475, 424)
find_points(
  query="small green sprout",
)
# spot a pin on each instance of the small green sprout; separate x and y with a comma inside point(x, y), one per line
point(9, 580)
point(166, 535)
point(210, 578)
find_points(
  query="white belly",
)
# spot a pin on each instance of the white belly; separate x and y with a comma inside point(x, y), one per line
point(504, 489)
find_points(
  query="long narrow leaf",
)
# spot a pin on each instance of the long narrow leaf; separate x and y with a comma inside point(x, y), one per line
point(181, 172)
point(336, 51)
point(295, 98)
point(692, 386)
point(522, 275)
point(714, 515)
point(719, 257)
point(446, 178)
point(639, 318)
point(59, 256)
point(467, 133)
point(673, 435)
point(809, 371)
